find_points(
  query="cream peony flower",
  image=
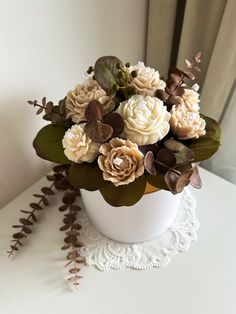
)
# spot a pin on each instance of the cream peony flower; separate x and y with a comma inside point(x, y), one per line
point(147, 80)
point(77, 145)
point(186, 123)
point(121, 161)
point(78, 99)
point(191, 99)
point(145, 119)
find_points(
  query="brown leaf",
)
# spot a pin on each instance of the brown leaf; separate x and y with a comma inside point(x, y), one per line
point(94, 111)
point(33, 217)
point(25, 211)
point(179, 91)
point(115, 120)
point(188, 63)
point(38, 195)
point(47, 191)
point(171, 177)
point(35, 206)
point(40, 110)
point(195, 179)
point(165, 158)
point(77, 226)
point(72, 233)
point(175, 100)
point(189, 75)
point(14, 248)
point(197, 69)
point(51, 178)
point(27, 230)
point(64, 228)
point(78, 244)
point(18, 235)
point(72, 255)
point(63, 208)
point(198, 55)
point(75, 208)
point(161, 94)
point(98, 132)
point(25, 221)
point(44, 101)
point(49, 107)
point(149, 163)
point(65, 247)
point(74, 270)
point(183, 180)
point(45, 200)
point(174, 78)
point(17, 226)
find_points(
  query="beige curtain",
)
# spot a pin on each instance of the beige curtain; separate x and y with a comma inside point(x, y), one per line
point(208, 26)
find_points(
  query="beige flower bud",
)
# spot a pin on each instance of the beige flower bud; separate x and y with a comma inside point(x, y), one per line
point(121, 161)
point(191, 99)
point(185, 123)
point(78, 99)
point(78, 147)
point(147, 80)
point(146, 120)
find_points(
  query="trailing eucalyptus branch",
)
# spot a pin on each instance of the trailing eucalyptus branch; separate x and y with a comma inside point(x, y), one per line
point(26, 223)
point(71, 228)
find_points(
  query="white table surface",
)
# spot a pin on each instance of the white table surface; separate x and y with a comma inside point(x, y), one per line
point(200, 281)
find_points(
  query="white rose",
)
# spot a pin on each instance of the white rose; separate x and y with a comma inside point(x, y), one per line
point(191, 99)
point(147, 80)
point(145, 119)
point(185, 123)
point(78, 147)
point(78, 99)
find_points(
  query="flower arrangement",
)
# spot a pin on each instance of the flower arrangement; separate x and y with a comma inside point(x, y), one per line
point(124, 129)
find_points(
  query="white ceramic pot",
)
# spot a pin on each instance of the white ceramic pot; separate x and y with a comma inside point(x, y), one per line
point(145, 220)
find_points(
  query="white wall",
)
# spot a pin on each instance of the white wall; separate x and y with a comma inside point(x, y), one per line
point(45, 47)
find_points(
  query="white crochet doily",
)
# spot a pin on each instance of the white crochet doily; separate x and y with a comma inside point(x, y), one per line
point(106, 254)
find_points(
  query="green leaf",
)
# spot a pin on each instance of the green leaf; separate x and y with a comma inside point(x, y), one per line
point(106, 72)
point(48, 144)
point(86, 176)
point(124, 195)
point(157, 181)
point(212, 128)
point(203, 148)
point(207, 145)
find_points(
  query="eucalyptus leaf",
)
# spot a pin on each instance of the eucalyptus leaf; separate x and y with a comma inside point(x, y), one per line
point(48, 144)
point(212, 128)
point(157, 181)
point(124, 195)
point(106, 72)
point(86, 176)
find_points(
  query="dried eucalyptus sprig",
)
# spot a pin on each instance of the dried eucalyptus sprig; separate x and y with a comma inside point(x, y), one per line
point(71, 227)
point(54, 113)
point(174, 90)
point(26, 223)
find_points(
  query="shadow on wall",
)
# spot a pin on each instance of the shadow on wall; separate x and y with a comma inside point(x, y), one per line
point(20, 167)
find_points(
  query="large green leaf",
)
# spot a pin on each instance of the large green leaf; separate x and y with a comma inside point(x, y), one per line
point(106, 72)
point(124, 195)
point(48, 144)
point(157, 181)
point(212, 128)
point(86, 176)
point(207, 145)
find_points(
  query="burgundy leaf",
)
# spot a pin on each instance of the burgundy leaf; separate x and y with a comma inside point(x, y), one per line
point(149, 163)
point(94, 111)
